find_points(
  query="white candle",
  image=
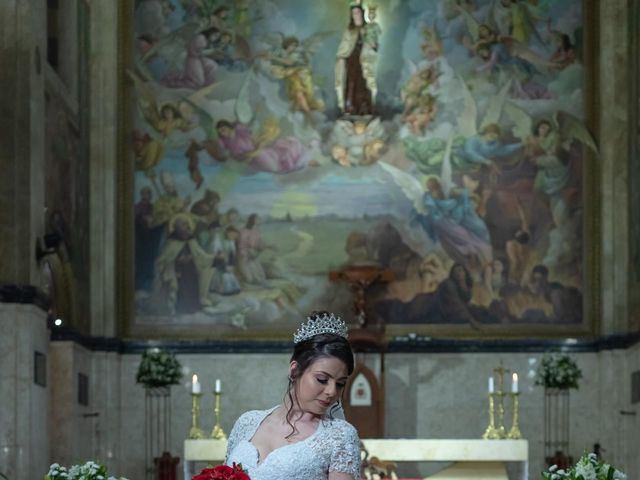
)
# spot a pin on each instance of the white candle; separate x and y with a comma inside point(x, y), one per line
point(490, 384)
point(218, 388)
point(195, 385)
point(514, 383)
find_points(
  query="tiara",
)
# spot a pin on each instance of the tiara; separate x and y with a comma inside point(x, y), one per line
point(319, 324)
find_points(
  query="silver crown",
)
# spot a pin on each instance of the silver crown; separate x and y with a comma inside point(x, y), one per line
point(317, 325)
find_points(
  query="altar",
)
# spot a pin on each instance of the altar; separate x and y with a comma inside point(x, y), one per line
point(472, 459)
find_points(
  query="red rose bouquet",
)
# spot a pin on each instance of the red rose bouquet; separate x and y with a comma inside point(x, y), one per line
point(223, 472)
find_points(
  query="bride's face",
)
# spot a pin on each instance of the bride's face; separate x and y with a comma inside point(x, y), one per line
point(321, 384)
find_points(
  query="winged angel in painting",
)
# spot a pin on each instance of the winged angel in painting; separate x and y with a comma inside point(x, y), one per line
point(505, 56)
point(550, 145)
point(290, 60)
point(447, 214)
point(477, 140)
point(231, 128)
point(193, 55)
point(169, 121)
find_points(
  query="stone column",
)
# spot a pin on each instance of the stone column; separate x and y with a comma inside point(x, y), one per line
point(22, 52)
point(613, 135)
point(24, 439)
point(103, 151)
point(105, 383)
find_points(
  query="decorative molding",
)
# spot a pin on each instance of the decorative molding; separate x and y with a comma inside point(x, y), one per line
point(408, 344)
point(25, 294)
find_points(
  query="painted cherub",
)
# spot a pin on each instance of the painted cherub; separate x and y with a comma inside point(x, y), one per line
point(417, 87)
point(357, 143)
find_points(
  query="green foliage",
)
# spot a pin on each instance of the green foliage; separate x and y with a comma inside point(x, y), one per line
point(589, 467)
point(88, 471)
point(159, 369)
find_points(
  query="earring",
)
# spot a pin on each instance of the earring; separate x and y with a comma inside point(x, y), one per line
point(290, 379)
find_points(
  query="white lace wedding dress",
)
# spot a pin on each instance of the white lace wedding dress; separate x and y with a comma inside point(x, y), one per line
point(333, 447)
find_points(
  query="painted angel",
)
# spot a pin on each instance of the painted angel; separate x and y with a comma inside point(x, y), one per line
point(357, 143)
point(447, 215)
point(432, 82)
point(549, 144)
point(507, 55)
point(187, 52)
point(291, 61)
point(478, 139)
point(238, 136)
point(516, 19)
point(163, 120)
point(482, 140)
point(421, 84)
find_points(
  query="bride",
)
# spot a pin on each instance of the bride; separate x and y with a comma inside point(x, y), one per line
point(301, 438)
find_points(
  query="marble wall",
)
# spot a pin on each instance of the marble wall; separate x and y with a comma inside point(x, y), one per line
point(428, 396)
point(24, 431)
point(81, 432)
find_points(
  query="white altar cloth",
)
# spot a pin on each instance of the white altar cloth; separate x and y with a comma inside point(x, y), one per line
point(473, 459)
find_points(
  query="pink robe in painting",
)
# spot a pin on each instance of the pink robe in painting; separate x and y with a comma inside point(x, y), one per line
point(199, 70)
point(284, 155)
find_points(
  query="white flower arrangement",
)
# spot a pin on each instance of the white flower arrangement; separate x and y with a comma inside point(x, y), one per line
point(558, 371)
point(88, 471)
point(587, 468)
point(159, 368)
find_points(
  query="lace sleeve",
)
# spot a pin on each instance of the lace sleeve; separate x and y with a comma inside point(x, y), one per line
point(238, 432)
point(345, 457)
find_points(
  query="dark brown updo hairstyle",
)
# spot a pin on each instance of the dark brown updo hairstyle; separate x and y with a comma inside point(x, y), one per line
point(305, 353)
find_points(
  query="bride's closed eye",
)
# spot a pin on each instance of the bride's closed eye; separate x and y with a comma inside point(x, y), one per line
point(324, 381)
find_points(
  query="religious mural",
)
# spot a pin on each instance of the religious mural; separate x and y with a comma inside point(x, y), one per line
point(278, 140)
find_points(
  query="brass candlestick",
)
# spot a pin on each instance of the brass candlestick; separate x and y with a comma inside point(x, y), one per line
point(500, 371)
point(500, 430)
point(195, 432)
point(217, 432)
point(491, 433)
point(514, 433)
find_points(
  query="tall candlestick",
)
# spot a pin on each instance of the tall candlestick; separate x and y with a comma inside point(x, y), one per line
point(491, 388)
point(218, 388)
point(514, 433)
point(195, 431)
point(217, 432)
point(491, 433)
point(195, 385)
point(514, 383)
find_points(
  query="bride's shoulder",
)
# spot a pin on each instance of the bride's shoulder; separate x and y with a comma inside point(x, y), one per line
point(342, 428)
point(250, 417)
